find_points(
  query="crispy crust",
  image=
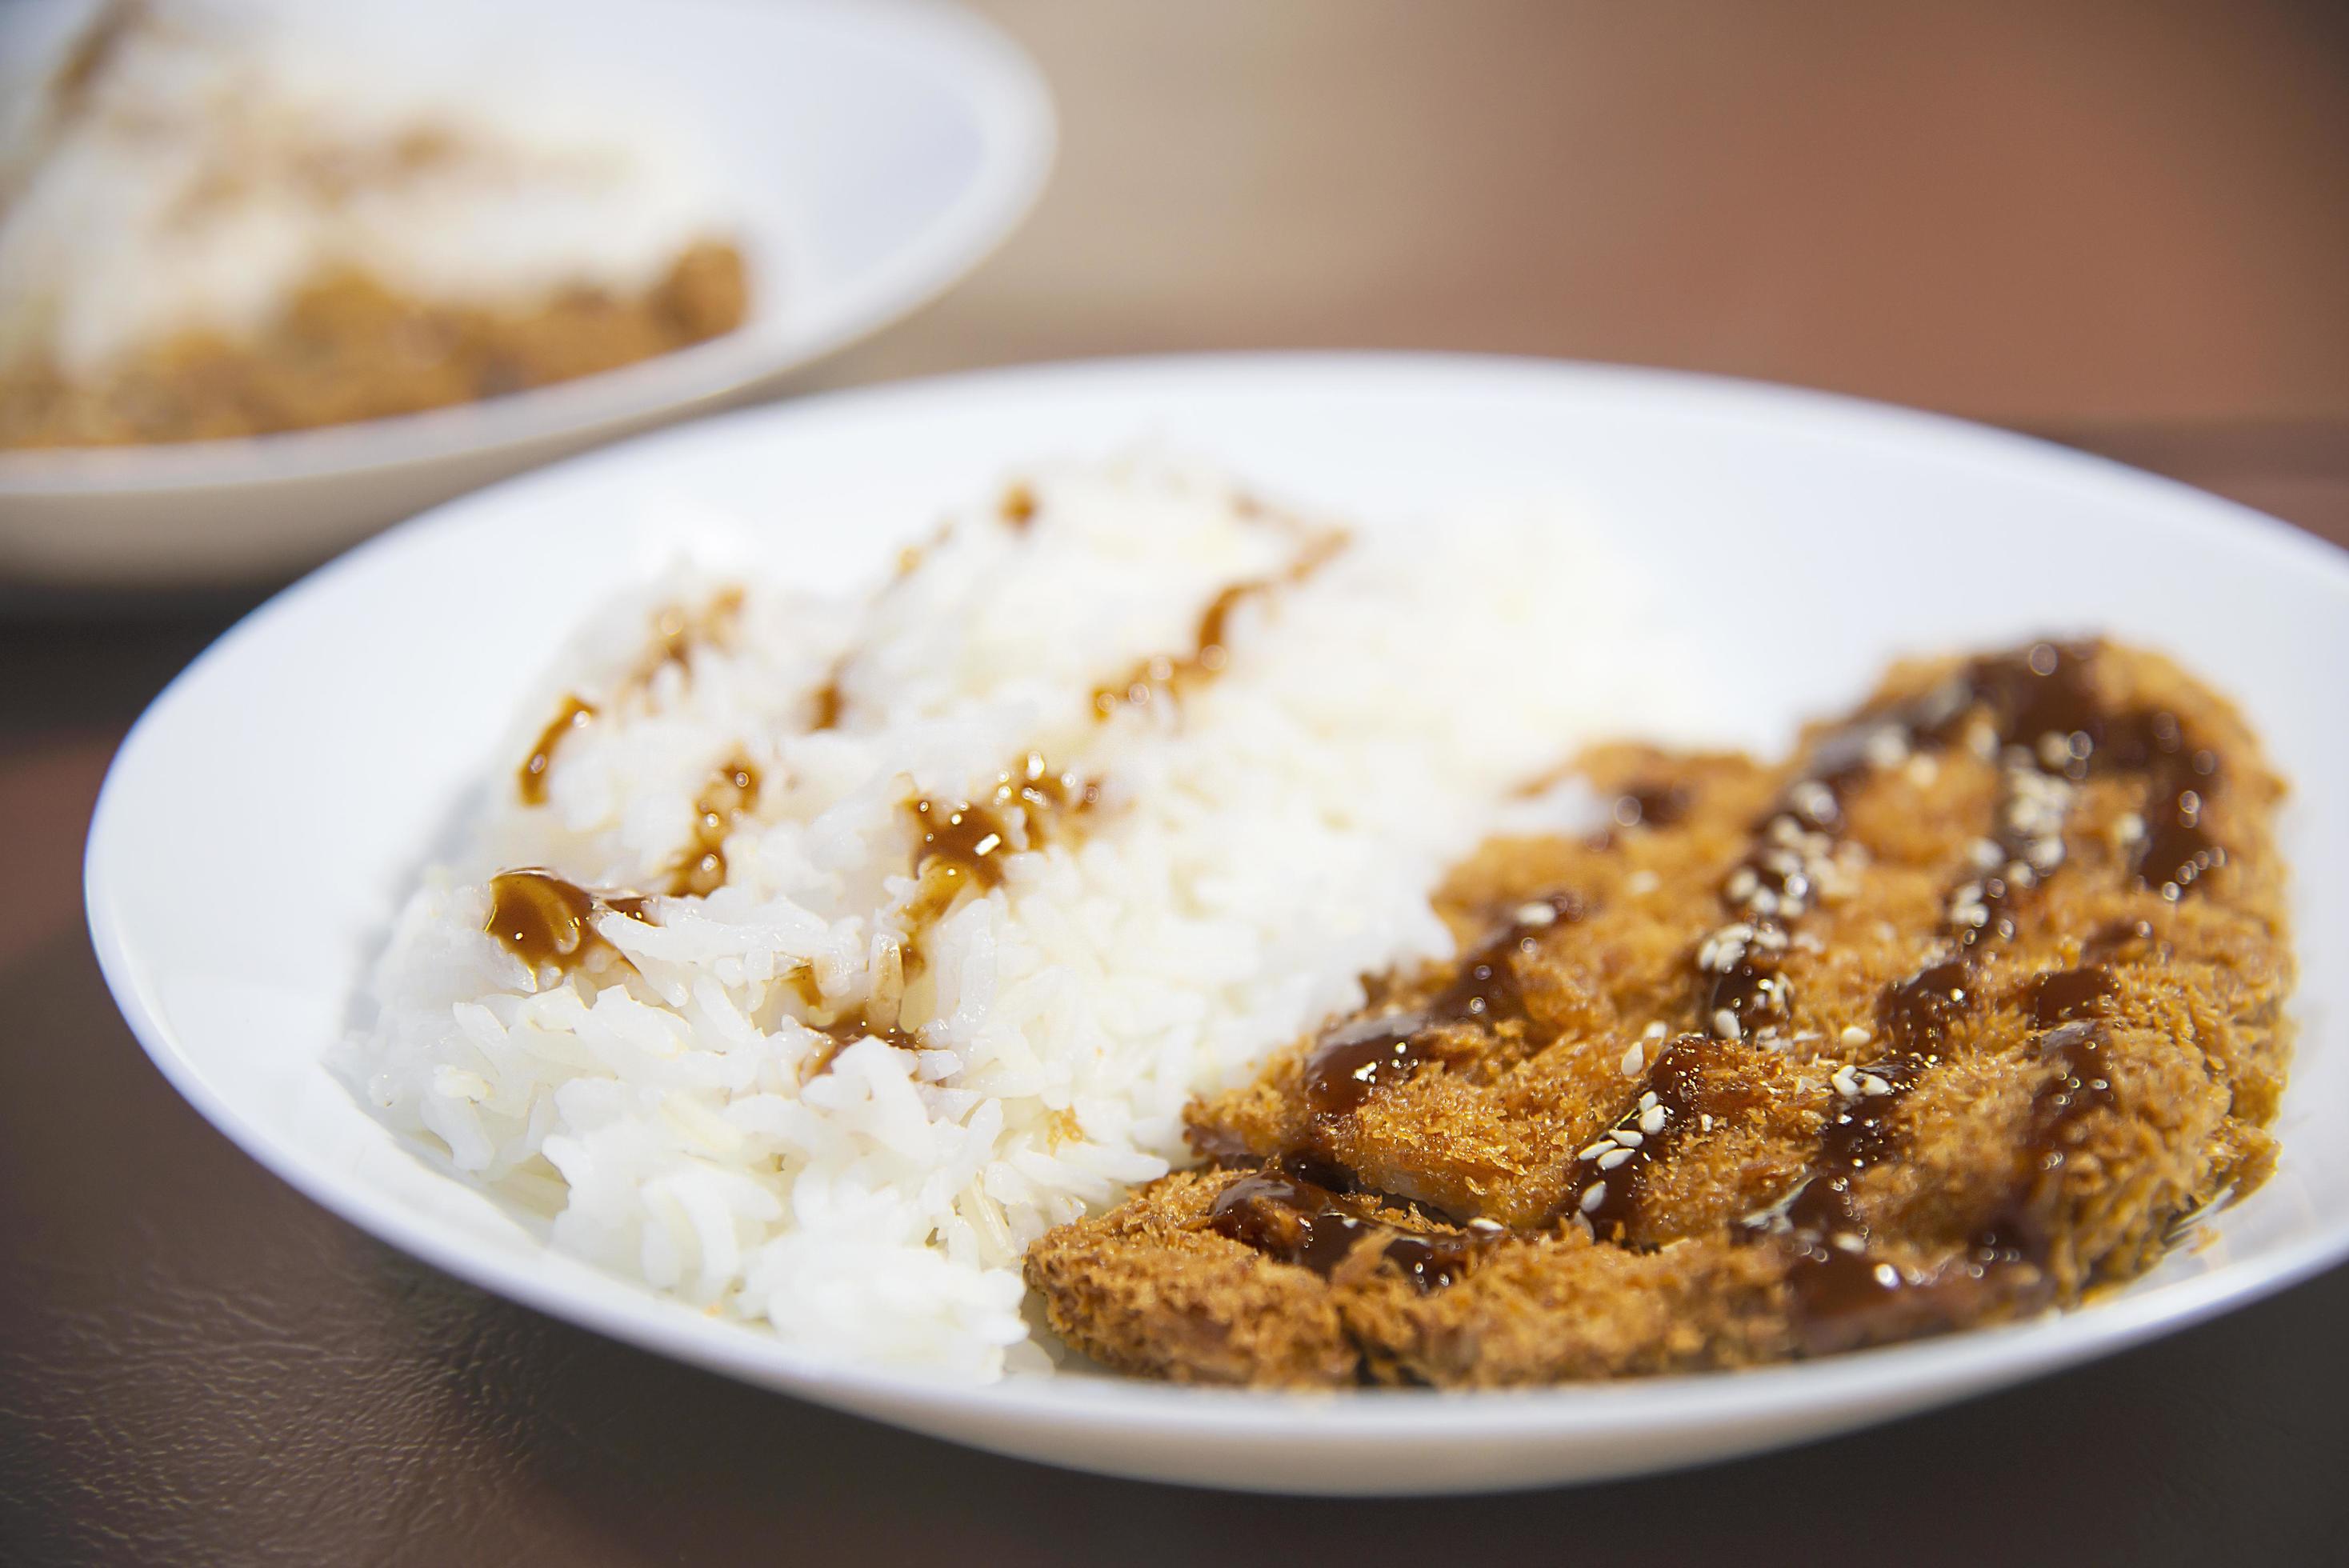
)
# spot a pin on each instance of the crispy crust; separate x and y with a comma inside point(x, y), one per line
point(1488, 1125)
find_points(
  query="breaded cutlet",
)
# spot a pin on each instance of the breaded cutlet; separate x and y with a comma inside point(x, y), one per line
point(1958, 1013)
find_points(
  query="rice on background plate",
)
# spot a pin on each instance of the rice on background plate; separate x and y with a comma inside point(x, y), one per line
point(901, 927)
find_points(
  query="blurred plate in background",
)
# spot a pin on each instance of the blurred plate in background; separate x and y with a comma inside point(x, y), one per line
point(880, 151)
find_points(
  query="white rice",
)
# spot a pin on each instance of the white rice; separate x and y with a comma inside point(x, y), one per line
point(1261, 842)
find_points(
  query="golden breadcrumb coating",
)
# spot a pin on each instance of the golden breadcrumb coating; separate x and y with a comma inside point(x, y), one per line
point(1957, 1014)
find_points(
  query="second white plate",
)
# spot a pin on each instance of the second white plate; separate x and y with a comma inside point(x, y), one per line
point(879, 149)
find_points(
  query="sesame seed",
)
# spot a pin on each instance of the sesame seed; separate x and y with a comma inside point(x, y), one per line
point(1856, 1036)
point(1632, 1060)
point(1704, 1121)
point(2020, 874)
point(1985, 853)
point(1725, 1025)
point(1537, 914)
point(1612, 1158)
point(1489, 1227)
point(1923, 768)
point(1652, 1119)
point(2054, 750)
point(1592, 1196)
point(2130, 828)
point(1743, 883)
point(1844, 1083)
point(1885, 748)
point(1604, 1146)
point(1629, 1137)
point(1654, 1031)
point(1874, 1084)
point(1763, 901)
point(1784, 830)
point(1647, 1100)
point(1641, 882)
point(2044, 854)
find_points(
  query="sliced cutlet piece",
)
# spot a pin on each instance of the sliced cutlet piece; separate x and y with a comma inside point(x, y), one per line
point(1955, 1017)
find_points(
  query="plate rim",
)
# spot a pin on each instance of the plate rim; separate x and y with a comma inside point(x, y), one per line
point(1886, 1380)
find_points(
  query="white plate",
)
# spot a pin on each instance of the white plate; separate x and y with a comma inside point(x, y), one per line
point(265, 815)
point(879, 149)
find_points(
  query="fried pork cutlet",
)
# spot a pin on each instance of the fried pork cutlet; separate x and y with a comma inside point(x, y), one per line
point(1964, 1011)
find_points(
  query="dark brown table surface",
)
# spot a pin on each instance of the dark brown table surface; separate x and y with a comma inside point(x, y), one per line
point(2123, 226)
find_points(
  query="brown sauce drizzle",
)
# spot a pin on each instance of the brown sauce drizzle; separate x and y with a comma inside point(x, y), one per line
point(2109, 941)
point(2178, 848)
point(1169, 674)
point(964, 843)
point(1916, 1014)
point(2078, 1085)
point(1018, 508)
point(677, 633)
point(531, 778)
point(826, 703)
point(1360, 1056)
point(2068, 994)
point(1363, 1053)
point(542, 919)
point(1289, 1216)
point(1487, 989)
point(1651, 805)
point(1840, 1292)
point(1608, 1177)
point(845, 1032)
point(2041, 699)
point(961, 841)
point(2018, 1231)
point(732, 791)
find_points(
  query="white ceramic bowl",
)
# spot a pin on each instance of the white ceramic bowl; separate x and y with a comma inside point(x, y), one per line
point(266, 814)
point(879, 149)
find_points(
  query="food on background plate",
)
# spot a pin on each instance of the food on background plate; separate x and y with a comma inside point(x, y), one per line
point(224, 217)
point(811, 956)
point(1963, 1012)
